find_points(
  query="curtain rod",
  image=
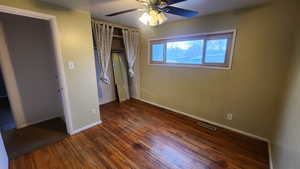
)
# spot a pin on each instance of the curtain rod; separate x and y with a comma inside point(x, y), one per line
point(114, 25)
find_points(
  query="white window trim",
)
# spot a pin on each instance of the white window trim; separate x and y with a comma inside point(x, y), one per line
point(229, 67)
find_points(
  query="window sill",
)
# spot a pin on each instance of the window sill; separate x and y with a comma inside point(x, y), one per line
point(191, 66)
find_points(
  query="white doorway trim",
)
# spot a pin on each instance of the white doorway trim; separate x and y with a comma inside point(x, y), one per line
point(16, 106)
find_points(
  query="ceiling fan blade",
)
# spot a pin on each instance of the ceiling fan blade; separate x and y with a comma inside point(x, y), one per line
point(171, 2)
point(122, 12)
point(181, 12)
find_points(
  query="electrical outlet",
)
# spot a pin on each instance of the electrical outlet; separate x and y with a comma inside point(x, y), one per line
point(229, 116)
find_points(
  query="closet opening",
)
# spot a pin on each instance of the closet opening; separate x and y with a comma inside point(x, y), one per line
point(121, 86)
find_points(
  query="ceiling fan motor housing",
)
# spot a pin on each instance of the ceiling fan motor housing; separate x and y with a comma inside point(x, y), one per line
point(160, 7)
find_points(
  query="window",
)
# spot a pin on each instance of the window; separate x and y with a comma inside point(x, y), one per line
point(158, 52)
point(208, 50)
point(178, 50)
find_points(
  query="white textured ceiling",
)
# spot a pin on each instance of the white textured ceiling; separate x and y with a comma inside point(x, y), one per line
point(100, 8)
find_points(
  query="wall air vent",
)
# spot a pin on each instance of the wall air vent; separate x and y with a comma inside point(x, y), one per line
point(207, 126)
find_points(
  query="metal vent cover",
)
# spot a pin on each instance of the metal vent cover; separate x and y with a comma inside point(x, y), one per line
point(207, 126)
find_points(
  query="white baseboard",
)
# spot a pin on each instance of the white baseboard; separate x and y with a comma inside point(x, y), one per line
point(108, 101)
point(216, 124)
point(207, 121)
point(85, 127)
point(38, 121)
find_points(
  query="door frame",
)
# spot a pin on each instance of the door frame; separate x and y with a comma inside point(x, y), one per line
point(8, 73)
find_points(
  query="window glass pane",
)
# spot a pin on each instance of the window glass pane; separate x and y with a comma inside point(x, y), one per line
point(216, 51)
point(187, 52)
point(157, 52)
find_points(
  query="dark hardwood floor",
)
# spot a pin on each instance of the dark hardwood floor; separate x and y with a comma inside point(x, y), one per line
point(136, 135)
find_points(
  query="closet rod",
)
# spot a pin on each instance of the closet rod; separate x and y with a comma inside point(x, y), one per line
point(118, 36)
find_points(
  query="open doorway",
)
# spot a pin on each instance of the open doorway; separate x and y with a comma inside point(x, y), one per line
point(7, 121)
point(30, 73)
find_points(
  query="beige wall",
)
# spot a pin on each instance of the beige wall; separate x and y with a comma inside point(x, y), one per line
point(34, 68)
point(286, 139)
point(76, 43)
point(251, 90)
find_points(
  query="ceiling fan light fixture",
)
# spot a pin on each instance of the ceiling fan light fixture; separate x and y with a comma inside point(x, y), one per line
point(162, 18)
point(145, 18)
point(153, 18)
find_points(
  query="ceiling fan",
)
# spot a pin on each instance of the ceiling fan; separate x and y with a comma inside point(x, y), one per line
point(155, 9)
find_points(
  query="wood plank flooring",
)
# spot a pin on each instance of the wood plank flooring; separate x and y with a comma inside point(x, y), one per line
point(136, 135)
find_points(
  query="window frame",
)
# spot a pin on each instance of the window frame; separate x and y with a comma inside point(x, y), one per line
point(228, 34)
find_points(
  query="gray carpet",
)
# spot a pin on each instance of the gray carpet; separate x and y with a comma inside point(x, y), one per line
point(6, 118)
point(21, 141)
